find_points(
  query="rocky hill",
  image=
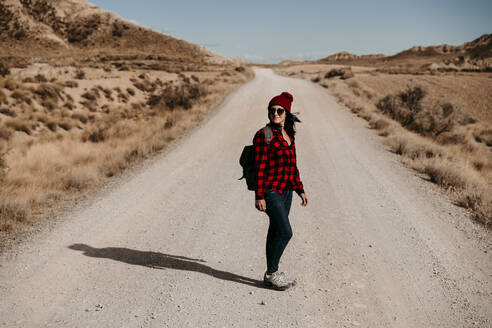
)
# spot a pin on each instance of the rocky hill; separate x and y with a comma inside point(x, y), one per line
point(61, 25)
point(480, 48)
point(476, 54)
point(344, 55)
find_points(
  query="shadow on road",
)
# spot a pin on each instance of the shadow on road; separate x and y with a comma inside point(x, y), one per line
point(162, 261)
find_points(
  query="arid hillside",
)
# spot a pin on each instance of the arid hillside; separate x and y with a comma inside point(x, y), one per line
point(51, 27)
point(470, 56)
point(85, 95)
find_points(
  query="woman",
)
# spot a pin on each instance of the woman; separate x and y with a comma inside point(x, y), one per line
point(276, 176)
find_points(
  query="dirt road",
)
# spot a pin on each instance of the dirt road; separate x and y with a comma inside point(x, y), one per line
point(178, 242)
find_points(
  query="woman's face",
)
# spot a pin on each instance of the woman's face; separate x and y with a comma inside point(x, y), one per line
point(275, 116)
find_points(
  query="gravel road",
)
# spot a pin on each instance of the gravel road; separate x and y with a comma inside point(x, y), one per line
point(177, 242)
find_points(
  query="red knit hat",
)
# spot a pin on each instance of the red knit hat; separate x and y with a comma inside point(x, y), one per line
point(284, 99)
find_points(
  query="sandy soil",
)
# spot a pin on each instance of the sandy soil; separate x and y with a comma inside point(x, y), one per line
point(177, 242)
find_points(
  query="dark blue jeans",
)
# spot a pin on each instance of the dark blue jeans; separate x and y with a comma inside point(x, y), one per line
point(279, 231)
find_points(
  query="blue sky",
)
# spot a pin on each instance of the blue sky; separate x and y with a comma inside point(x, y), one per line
point(270, 31)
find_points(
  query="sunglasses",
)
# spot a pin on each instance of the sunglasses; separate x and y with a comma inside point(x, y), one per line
point(280, 111)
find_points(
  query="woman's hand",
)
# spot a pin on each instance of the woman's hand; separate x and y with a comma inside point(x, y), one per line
point(304, 199)
point(260, 205)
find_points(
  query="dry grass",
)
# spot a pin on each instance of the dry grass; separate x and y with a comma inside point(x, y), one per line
point(438, 124)
point(74, 135)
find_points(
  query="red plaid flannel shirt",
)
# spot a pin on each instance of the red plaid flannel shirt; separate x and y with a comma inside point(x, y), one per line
point(275, 164)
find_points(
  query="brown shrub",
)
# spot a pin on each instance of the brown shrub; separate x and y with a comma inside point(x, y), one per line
point(10, 84)
point(90, 105)
point(406, 107)
point(3, 98)
point(95, 134)
point(8, 112)
point(18, 125)
point(107, 94)
point(316, 79)
point(49, 91)
point(49, 104)
point(40, 78)
point(21, 96)
point(344, 73)
point(71, 84)
point(123, 97)
point(4, 70)
point(52, 126)
point(379, 124)
point(130, 91)
point(484, 136)
point(41, 118)
point(445, 175)
point(4, 133)
point(79, 74)
point(81, 117)
point(65, 125)
point(89, 95)
point(69, 105)
point(11, 212)
point(28, 80)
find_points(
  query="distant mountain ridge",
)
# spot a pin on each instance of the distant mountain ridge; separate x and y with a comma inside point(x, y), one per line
point(478, 49)
point(344, 55)
point(77, 24)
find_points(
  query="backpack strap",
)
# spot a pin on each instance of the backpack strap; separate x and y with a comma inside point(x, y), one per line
point(268, 134)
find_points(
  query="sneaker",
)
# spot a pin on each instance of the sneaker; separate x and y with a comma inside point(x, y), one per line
point(278, 280)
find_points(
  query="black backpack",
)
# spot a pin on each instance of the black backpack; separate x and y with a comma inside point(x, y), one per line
point(247, 159)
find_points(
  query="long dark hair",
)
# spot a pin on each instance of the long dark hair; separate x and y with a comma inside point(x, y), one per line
point(289, 125)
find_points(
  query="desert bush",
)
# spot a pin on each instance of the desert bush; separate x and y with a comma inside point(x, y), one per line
point(81, 117)
point(49, 104)
point(80, 74)
point(71, 84)
point(40, 78)
point(79, 33)
point(69, 105)
point(10, 84)
point(18, 125)
point(65, 125)
point(484, 136)
point(130, 91)
point(316, 79)
point(406, 107)
point(90, 95)
point(51, 125)
point(12, 211)
point(145, 85)
point(21, 96)
point(108, 94)
point(4, 133)
point(3, 151)
point(28, 80)
point(173, 96)
point(95, 134)
point(123, 97)
point(41, 118)
point(90, 105)
point(4, 70)
point(49, 91)
point(3, 98)
point(344, 73)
